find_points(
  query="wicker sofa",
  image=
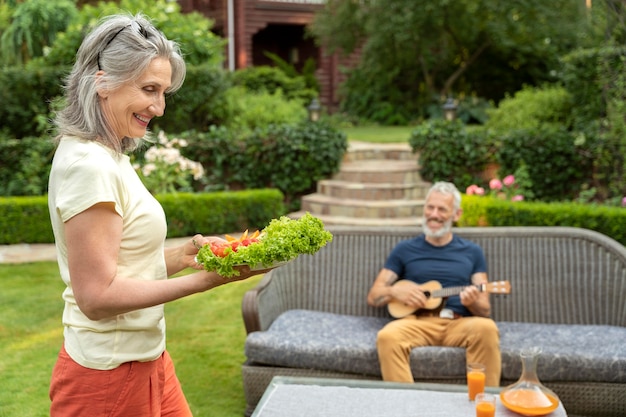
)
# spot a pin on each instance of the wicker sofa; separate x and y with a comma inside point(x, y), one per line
point(310, 317)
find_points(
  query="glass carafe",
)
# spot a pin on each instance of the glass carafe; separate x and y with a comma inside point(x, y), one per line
point(528, 396)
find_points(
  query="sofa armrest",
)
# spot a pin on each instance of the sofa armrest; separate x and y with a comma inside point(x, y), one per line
point(250, 304)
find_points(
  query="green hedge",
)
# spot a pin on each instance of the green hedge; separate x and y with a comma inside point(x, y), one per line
point(487, 211)
point(220, 212)
point(26, 219)
point(231, 211)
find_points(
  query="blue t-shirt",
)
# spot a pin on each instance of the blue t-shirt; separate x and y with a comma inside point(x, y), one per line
point(452, 265)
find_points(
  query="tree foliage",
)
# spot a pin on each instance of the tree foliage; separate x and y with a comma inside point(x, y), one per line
point(414, 51)
point(33, 27)
point(191, 30)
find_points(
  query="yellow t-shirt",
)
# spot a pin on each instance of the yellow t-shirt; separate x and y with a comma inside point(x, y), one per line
point(85, 173)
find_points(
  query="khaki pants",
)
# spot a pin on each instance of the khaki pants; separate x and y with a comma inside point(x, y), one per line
point(478, 335)
point(137, 389)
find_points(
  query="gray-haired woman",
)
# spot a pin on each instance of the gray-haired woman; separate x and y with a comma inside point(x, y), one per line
point(110, 231)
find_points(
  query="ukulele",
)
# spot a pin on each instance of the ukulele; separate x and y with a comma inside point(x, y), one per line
point(435, 294)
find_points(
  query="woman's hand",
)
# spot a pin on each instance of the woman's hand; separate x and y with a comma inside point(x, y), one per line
point(180, 257)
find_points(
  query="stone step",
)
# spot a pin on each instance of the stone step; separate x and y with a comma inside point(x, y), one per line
point(358, 151)
point(362, 221)
point(319, 204)
point(379, 171)
point(372, 191)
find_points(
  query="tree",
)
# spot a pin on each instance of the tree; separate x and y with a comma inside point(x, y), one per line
point(33, 27)
point(416, 51)
point(191, 30)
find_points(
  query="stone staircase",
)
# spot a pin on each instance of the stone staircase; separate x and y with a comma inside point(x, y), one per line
point(377, 185)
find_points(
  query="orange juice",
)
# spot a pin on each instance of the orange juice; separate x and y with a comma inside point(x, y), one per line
point(475, 383)
point(484, 409)
point(529, 402)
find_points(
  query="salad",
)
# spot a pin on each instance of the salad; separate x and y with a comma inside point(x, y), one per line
point(282, 240)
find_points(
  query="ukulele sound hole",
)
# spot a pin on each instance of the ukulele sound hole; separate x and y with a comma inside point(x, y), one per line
point(427, 294)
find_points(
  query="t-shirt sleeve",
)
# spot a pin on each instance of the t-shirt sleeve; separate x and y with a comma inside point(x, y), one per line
point(480, 264)
point(395, 261)
point(86, 182)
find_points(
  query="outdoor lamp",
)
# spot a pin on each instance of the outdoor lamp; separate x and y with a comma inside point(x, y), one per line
point(314, 110)
point(449, 110)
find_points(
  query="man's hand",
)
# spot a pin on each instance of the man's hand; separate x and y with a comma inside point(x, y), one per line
point(410, 294)
point(477, 302)
point(469, 296)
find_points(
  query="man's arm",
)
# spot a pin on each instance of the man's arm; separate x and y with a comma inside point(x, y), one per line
point(380, 293)
point(477, 302)
point(383, 291)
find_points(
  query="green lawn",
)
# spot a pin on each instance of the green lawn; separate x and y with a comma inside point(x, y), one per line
point(205, 338)
point(379, 134)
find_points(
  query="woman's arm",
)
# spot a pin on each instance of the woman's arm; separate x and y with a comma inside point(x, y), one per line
point(93, 242)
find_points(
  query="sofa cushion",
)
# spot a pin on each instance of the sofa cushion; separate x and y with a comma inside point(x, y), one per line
point(572, 352)
point(334, 342)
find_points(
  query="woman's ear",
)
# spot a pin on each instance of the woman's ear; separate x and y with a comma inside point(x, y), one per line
point(103, 92)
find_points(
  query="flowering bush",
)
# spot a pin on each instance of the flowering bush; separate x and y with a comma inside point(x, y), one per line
point(165, 169)
point(507, 188)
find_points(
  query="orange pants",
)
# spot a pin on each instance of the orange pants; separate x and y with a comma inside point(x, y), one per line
point(138, 389)
point(478, 335)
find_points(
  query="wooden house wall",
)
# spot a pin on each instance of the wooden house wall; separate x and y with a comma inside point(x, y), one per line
point(252, 16)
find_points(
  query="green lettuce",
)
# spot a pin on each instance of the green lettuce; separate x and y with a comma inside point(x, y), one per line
point(282, 240)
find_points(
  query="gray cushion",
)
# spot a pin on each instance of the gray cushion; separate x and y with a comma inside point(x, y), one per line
point(334, 342)
point(572, 352)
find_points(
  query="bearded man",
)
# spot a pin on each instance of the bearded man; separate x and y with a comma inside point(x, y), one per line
point(441, 258)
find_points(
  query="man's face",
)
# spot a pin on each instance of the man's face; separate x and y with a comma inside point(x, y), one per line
point(439, 214)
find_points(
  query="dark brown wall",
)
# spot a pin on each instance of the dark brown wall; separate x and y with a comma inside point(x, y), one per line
point(264, 18)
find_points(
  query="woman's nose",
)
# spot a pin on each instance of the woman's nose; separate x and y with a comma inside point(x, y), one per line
point(158, 106)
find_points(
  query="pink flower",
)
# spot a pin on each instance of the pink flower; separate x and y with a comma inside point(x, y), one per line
point(471, 189)
point(624, 202)
point(508, 180)
point(518, 197)
point(479, 191)
point(495, 184)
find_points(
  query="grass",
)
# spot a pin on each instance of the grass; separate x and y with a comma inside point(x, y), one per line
point(379, 134)
point(205, 336)
point(205, 332)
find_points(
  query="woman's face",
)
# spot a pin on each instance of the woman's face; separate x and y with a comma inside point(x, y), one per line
point(130, 108)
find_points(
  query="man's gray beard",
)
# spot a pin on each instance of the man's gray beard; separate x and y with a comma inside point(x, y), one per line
point(447, 227)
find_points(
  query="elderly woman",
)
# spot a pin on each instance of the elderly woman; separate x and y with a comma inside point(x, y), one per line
point(110, 231)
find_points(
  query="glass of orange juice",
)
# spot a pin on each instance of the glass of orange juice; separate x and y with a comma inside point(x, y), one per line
point(475, 379)
point(485, 405)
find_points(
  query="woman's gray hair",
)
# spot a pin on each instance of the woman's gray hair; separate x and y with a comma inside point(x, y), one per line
point(122, 46)
point(447, 188)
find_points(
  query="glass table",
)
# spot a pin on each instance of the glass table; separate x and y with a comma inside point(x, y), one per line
point(323, 397)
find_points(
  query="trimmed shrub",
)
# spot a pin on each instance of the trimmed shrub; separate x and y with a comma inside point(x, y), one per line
point(531, 107)
point(220, 212)
point(448, 151)
point(486, 211)
point(271, 80)
point(187, 214)
point(291, 158)
point(250, 110)
point(556, 166)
